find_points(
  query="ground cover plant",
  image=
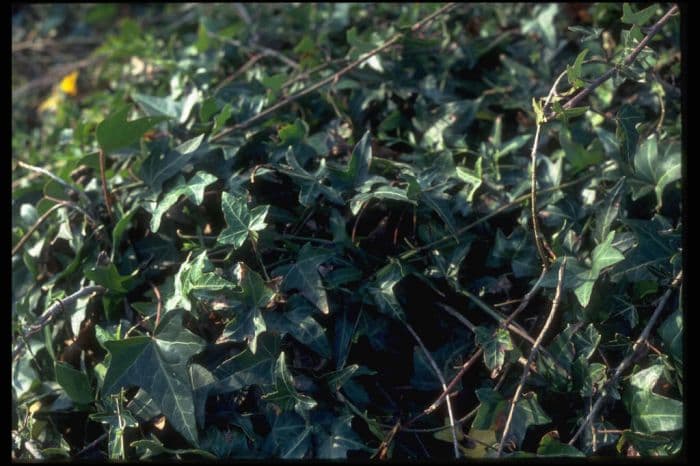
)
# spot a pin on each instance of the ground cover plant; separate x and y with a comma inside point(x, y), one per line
point(343, 231)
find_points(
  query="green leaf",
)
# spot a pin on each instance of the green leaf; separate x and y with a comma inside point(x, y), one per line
point(193, 189)
point(159, 366)
point(285, 395)
point(109, 277)
point(196, 280)
point(608, 210)
point(245, 326)
point(299, 324)
point(671, 332)
point(650, 412)
point(604, 255)
point(653, 172)
point(495, 344)
point(74, 382)
point(627, 119)
point(550, 446)
point(114, 132)
point(638, 18)
point(358, 168)
point(247, 368)
point(164, 107)
point(473, 178)
point(158, 168)
point(382, 192)
point(147, 449)
point(289, 437)
point(241, 222)
point(119, 229)
point(649, 444)
point(334, 444)
point(573, 72)
point(203, 41)
point(221, 118)
point(383, 289)
point(303, 275)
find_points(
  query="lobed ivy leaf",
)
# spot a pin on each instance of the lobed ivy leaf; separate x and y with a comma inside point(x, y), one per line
point(652, 413)
point(241, 222)
point(303, 275)
point(159, 366)
point(193, 190)
point(114, 132)
point(285, 395)
point(160, 167)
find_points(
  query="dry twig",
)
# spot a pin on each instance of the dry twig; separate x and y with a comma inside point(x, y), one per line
point(531, 358)
point(629, 360)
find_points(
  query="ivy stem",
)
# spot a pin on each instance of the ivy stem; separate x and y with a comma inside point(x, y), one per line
point(257, 254)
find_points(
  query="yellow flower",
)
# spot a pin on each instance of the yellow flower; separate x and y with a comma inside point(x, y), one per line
point(69, 84)
point(51, 103)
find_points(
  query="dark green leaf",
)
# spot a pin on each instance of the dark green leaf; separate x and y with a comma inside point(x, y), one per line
point(114, 132)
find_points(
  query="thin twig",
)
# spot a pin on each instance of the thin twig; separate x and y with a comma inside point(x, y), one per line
point(629, 360)
point(539, 240)
point(440, 377)
point(108, 201)
point(244, 67)
point(465, 367)
point(531, 358)
point(54, 310)
point(92, 444)
point(512, 326)
point(33, 228)
point(57, 179)
point(627, 61)
point(159, 304)
point(334, 77)
point(514, 203)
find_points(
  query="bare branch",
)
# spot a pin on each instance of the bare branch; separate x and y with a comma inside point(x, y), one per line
point(531, 358)
point(627, 61)
point(629, 360)
point(393, 40)
point(52, 312)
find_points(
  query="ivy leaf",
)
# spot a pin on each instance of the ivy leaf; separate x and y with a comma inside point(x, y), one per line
point(381, 192)
point(303, 275)
point(358, 167)
point(242, 223)
point(551, 446)
point(285, 395)
point(652, 413)
point(334, 444)
point(627, 119)
point(608, 210)
point(604, 255)
point(671, 332)
point(299, 324)
point(638, 18)
point(573, 72)
point(383, 290)
point(495, 344)
point(311, 185)
point(247, 368)
point(196, 280)
point(74, 382)
point(653, 172)
point(114, 132)
point(248, 321)
point(158, 167)
point(159, 366)
point(289, 437)
point(109, 277)
point(656, 245)
point(193, 189)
